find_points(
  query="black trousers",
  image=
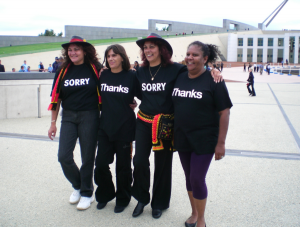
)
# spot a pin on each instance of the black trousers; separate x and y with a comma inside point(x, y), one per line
point(162, 181)
point(82, 125)
point(103, 178)
point(248, 87)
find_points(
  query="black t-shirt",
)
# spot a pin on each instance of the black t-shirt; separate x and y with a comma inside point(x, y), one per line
point(78, 89)
point(197, 103)
point(117, 92)
point(157, 94)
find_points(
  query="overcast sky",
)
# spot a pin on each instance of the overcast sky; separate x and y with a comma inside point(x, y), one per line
point(31, 17)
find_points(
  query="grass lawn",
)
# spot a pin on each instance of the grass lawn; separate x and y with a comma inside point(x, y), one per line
point(43, 47)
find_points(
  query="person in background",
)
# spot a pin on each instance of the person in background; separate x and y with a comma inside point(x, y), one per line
point(244, 67)
point(13, 70)
point(22, 69)
point(2, 69)
point(201, 124)
point(28, 69)
point(50, 68)
point(76, 86)
point(254, 67)
point(55, 65)
point(268, 69)
point(41, 67)
point(136, 65)
point(222, 66)
point(25, 66)
point(251, 83)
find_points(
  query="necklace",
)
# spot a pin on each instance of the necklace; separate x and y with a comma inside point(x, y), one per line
point(152, 77)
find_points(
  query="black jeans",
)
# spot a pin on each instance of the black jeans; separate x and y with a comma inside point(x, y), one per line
point(253, 91)
point(103, 178)
point(82, 125)
point(162, 173)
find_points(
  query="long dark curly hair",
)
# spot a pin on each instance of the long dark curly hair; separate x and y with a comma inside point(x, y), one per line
point(164, 54)
point(90, 56)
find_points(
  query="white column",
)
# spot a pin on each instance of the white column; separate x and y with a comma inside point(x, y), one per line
point(286, 47)
point(232, 45)
point(275, 49)
point(296, 49)
point(265, 49)
point(245, 45)
point(254, 52)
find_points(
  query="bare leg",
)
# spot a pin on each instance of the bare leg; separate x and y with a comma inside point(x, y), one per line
point(194, 215)
point(200, 206)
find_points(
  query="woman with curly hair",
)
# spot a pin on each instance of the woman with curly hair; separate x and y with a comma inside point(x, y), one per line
point(76, 87)
point(202, 111)
point(154, 127)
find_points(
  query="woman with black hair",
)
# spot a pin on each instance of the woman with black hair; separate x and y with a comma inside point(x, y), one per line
point(154, 127)
point(202, 116)
point(119, 86)
point(136, 65)
point(76, 87)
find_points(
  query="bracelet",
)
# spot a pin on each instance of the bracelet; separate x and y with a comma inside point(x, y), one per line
point(53, 121)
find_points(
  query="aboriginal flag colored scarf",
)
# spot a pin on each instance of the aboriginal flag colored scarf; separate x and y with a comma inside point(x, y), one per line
point(61, 75)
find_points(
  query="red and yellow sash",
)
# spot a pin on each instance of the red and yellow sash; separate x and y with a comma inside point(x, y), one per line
point(56, 89)
point(157, 143)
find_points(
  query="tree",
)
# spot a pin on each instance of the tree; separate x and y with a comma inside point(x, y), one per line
point(50, 33)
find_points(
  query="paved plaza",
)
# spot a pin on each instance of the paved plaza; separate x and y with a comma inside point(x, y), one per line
point(256, 184)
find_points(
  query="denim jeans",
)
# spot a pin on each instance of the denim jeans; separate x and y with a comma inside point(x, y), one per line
point(82, 125)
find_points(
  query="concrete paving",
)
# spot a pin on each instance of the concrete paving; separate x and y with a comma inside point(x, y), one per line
point(256, 184)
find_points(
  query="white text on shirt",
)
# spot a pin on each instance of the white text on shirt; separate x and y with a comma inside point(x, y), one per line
point(187, 94)
point(105, 87)
point(76, 82)
point(153, 87)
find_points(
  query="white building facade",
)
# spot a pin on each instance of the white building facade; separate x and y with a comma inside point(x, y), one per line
point(270, 47)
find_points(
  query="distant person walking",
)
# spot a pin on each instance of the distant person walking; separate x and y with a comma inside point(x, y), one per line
point(268, 69)
point(2, 69)
point(41, 67)
point(244, 67)
point(222, 66)
point(287, 62)
point(249, 66)
point(136, 65)
point(55, 65)
point(282, 62)
point(254, 67)
point(25, 66)
point(251, 83)
point(22, 69)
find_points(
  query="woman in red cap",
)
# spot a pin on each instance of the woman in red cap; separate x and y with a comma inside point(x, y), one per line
point(76, 87)
point(154, 127)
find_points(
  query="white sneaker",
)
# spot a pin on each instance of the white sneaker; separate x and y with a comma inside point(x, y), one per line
point(85, 202)
point(75, 197)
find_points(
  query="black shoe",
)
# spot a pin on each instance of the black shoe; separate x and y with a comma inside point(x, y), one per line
point(119, 209)
point(190, 224)
point(138, 209)
point(156, 213)
point(100, 206)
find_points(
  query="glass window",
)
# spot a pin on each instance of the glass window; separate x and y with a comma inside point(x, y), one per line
point(270, 42)
point(260, 42)
point(240, 41)
point(280, 42)
point(250, 42)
